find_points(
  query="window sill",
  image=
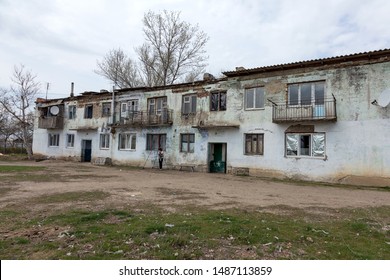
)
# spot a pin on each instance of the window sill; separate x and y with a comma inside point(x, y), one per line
point(306, 157)
point(254, 109)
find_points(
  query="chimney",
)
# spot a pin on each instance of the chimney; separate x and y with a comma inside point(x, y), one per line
point(208, 77)
point(72, 89)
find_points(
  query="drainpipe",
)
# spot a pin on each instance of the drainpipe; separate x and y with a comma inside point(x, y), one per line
point(113, 105)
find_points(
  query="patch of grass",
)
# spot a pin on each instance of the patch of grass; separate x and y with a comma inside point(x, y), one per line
point(20, 168)
point(194, 233)
point(71, 197)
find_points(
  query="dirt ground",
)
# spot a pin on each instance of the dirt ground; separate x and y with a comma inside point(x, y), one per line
point(169, 188)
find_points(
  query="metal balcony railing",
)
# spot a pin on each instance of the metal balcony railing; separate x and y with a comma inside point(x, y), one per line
point(53, 122)
point(324, 111)
point(146, 118)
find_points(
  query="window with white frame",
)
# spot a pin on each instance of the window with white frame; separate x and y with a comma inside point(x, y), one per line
point(70, 140)
point(254, 144)
point(72, 112)
point(156, 141)
point(104, 141)
point(188, 104)
point(187, 143)
point(157, 105)
point(254, 98)
point(303, 94)
point(305, 145)
point(129, 107)
point(127, 141)
point(54, 140)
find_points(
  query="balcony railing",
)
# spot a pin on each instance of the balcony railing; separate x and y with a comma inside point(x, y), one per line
point(298, 113)
point(53, 122)
point(146, 118)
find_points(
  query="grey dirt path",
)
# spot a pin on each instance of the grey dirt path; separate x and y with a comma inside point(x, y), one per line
point(169, 188)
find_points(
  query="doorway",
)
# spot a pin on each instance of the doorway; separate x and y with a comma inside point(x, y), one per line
point(86, 150)
point(217, 157)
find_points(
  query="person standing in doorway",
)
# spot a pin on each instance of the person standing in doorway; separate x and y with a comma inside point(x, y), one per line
point(160, 157)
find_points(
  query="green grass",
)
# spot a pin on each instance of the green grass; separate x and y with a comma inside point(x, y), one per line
point(195, 234)
point(20, 168)
point(71, 197)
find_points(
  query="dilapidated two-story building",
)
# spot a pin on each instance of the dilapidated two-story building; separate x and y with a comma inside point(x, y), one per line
point(324, 119)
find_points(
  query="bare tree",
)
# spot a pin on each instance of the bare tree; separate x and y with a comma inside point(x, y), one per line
point(8, 129)
point(17, 101)
point(117, 67)
point(174, 51)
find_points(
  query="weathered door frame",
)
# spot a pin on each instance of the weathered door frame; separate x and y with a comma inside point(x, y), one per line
point(217, 167)
point(86, 157)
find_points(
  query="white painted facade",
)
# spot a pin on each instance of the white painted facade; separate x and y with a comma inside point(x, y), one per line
point(356, 139)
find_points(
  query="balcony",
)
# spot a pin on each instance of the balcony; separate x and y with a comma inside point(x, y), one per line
point(284, 113)
point(53, 122)
point(145, 118)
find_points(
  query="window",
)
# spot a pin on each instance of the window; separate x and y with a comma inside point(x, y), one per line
point(69, 140)
point(155, 141)
point(129, 108)
point(72, 112)
point(187, 143)
point(254, 144)
point(306, 94)
point(218, 101)
point(54, 140)
point(188, 104)
point(105, 141)
point(156, 105)
point(127, 141)
point(254, 98)
point(106, 109)
point(305, 144)
point(88, 111)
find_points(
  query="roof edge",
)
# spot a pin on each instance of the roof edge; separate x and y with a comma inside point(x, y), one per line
point(315, 62)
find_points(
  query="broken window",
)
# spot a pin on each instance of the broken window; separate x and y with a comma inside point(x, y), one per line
point(70, 140)
point(218, 101)
point(88, 111)
point(156, 141)
point(304, 144)
point(106, 109)
point(127, 141)
point(54, 140)
point(187, 143)
point(189, 104)
point(104, 141)
point(254, 98)
point(254, 144)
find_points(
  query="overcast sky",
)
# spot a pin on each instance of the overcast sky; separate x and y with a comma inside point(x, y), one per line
point(61, 40)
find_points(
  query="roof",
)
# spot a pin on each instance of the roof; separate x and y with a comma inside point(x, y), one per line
point(385, 53)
